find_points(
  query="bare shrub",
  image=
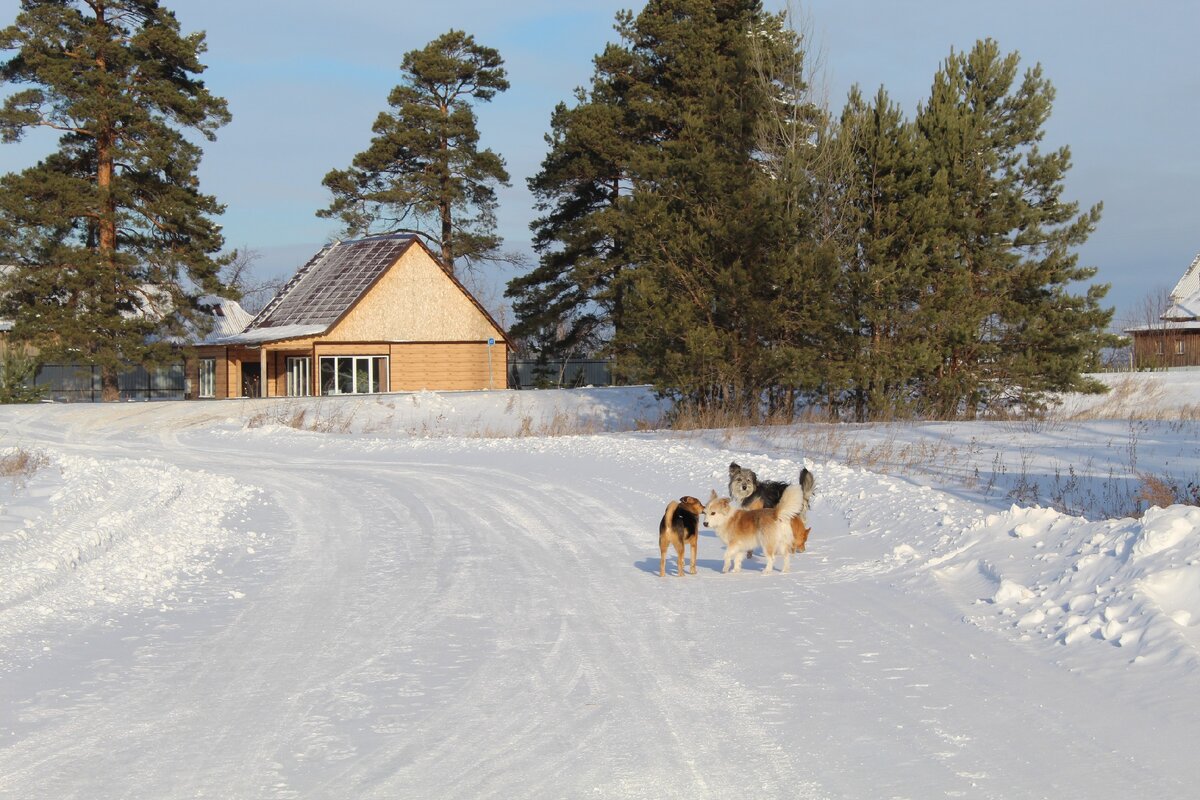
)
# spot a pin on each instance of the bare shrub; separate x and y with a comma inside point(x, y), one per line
point(21, 464)
point(1156, 490)
point(318, 418)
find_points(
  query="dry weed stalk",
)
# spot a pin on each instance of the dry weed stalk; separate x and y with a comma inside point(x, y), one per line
point(21, 464)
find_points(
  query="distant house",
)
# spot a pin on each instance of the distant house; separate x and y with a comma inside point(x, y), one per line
point(67, 382)
point(1174, 340)
point(371, 315)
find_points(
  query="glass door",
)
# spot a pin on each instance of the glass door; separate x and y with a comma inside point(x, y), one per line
point(299, 376)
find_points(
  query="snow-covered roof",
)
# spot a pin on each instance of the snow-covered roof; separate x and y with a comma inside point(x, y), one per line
point(275, 334)
point(1166, 325)
point(1185, 297)
point(1189, 284)
point(229, 318)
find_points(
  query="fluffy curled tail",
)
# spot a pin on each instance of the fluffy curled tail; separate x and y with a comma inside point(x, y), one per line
point(807, 484)
point(794, 501)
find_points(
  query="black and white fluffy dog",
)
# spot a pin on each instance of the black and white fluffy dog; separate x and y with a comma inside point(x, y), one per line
point(745, 488)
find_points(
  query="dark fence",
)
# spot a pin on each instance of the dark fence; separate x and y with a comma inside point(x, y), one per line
point(569, 374)
point(73, 383)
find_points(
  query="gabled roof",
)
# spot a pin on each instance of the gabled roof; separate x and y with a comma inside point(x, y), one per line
point(1185, 297)
point(332, 281)
point(329, 285)
point(1189, 284)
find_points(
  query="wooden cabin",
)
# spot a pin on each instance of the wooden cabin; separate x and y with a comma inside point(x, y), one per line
point(1174, 340)
point(378, 314)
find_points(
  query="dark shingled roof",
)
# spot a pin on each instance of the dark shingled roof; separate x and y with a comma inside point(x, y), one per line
point(325, 288)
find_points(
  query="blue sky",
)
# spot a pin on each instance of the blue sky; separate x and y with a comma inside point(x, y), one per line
point(305, 80)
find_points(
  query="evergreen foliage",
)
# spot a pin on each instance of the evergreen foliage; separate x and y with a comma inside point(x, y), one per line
point(997, 242)
point(880, 237)
point(112, 239)
point(572, 299)
point(17, 372)
point(424, 172)
point(726, 240)
point(659, 230)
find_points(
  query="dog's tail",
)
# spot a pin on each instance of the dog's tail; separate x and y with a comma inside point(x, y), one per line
point(794, 501)
point(807, 484)
point(664, 524)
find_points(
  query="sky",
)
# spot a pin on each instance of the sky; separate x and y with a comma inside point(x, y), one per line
point(304, 82)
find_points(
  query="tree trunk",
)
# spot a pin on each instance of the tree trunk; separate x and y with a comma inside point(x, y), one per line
point(107, 226)
point(110, 390)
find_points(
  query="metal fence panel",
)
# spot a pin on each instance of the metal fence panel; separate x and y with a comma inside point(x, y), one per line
point(574, 372)
point(78, 383)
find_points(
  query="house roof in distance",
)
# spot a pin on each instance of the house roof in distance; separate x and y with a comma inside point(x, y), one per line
point(332, 280)
point(1185, 297)
point(229, 318)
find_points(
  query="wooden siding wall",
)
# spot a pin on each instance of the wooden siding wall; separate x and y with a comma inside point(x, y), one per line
point(447, 365)
point(414, 301)
point(413, 366)
point(1146, 349)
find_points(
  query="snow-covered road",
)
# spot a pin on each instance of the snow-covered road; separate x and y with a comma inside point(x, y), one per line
point(473, 618)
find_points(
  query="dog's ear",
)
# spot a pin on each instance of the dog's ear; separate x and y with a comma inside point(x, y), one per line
point(733, 468)
point(712, 495)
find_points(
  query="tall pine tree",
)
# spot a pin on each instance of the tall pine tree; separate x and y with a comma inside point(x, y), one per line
point(998, 308)
point(112, 239)
point(424, 172)
point(571, 301)
point(661, 216)
point(880, 287)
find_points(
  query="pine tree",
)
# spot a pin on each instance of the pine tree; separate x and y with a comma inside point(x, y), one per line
point(424, 172)
point(112, 239)
point(997, 308)
point(879, 292)
point(571, 300)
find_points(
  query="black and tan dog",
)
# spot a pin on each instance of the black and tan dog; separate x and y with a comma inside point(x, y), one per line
point(747, 490)
point(679, 525)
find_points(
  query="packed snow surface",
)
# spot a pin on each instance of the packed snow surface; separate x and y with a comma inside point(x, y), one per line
point(457, 595)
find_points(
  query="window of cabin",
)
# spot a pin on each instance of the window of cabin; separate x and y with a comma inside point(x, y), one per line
point(354, 374)
point(1179, 348)
point(208, 377)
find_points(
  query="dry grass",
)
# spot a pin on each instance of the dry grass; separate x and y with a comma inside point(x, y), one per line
point(560, 423)
point(1137, 399)
point(21, 464)
point(318, 418)
point(1155, 490)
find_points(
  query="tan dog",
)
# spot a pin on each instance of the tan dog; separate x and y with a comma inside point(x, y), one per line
point(800, 530)
point(751, 493)
point(740, 529)
point(679, 525)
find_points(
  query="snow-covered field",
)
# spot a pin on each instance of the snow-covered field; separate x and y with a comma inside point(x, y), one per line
point(456, 596)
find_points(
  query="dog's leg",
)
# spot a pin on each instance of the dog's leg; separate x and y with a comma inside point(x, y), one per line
point(787, 559)
point(769, 553)
point(738, 557)
point(695, 544)
point(662, 556)
point(679, 548)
